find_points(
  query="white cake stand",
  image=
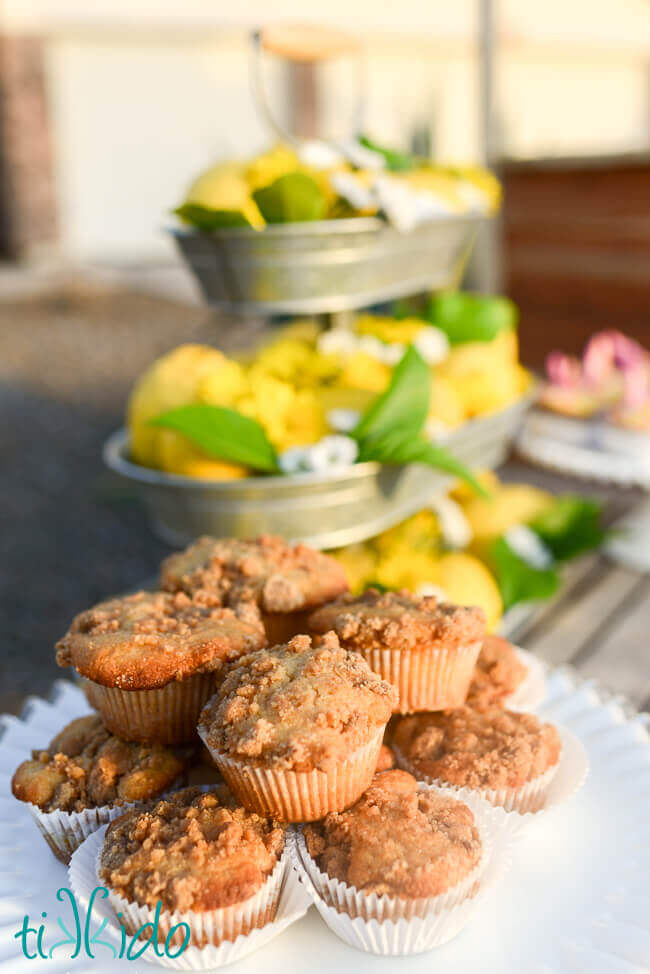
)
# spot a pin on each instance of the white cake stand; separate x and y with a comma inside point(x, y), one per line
point(592, 451)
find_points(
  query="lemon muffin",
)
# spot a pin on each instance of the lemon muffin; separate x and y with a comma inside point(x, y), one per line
point(509, 758)
point(151, 659)
point(497, 674)
point(85, 777)
point(425, 648)
point(398, 847)
point(296, 729)
point(285, 581)
point(211, 865)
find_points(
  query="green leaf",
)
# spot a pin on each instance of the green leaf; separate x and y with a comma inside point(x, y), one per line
point(292, 198)
point(399, 448)
point(395, 161)
point(404, 405)
point(471, 317)
point(205, 218)
point(223, 433)
point(518, 581)
point(571, 526)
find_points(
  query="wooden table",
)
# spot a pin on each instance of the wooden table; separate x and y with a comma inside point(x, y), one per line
point(600, 620)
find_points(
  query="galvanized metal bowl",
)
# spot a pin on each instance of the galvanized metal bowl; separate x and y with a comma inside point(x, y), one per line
point(324, 510)
point(327, 265)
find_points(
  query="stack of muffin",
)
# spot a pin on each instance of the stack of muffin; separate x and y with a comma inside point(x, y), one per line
point(256, 647)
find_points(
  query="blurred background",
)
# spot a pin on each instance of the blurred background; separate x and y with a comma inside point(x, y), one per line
point(108, 109)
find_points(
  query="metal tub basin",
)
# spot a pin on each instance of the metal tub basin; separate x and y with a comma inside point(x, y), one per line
point(323, 510)
point(325, 266)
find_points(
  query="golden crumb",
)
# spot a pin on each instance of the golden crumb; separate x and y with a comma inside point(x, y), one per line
point(386, 759)
point(399, 621)
point(497, 674)
point(85, 766)
point(298, 706)
point(277, 576)
point(195, 850)
point(494, 748)
point(397, 841)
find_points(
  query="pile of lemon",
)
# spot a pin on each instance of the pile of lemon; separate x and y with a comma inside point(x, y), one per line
point(416, 555)
point(232, 193)
point(291, 386)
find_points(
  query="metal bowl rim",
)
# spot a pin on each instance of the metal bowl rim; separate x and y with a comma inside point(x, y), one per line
point(115, 455)
point(346, 225)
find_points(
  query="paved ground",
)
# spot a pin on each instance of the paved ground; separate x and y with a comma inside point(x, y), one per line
point(67, 362)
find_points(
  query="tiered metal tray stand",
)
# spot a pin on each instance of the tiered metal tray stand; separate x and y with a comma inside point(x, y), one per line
point(327, 268)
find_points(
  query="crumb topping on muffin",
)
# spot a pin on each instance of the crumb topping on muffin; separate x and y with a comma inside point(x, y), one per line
point(386, 759)
point(494, 748)
point(497, 674)
point(397, 841)
point(192, 851)
point(398, 620)
point(146, 640)
point(298, 706)
point(85, 766)
point(277, 576)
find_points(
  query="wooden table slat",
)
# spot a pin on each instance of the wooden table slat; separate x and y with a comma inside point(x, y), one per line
point(583, 611)
point(620, 655)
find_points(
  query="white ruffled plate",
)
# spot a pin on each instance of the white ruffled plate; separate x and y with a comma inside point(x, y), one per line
point(602, 453)
point(575, 899)
point(530, 694)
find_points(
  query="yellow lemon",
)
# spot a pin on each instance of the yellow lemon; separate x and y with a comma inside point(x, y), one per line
point(463, 492)
point(466, 581)
point(446, 403)
point(404, 567)
point(361, 371)
point(510, 504)
point(224, 187)
point(172, 380)
point(359, 563)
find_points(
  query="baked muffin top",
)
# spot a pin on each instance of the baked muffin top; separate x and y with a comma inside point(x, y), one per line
point(195, 850)
point(497, 674)
point(146, 640)
point(493, 748)
point(397, 841)
point(298, 706)
point(277, 576)
point(398, 620)
point(86, 766)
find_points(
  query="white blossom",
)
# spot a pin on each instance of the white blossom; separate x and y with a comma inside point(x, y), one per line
point(524, 542)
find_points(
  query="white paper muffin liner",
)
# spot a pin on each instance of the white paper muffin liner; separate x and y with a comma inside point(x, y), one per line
point(532, 691)
point(282, 895)
point(538, 796)
point(65, 831)
point(394, 926)
point(299, 796)
point(167, 715)
point(426, 679)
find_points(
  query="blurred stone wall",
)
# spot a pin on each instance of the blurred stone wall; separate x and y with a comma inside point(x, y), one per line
point(28, 219)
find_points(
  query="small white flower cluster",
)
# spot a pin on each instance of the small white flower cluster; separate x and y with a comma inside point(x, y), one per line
point(455, 528)
point(404, 206)
point(330, 452)
point(529, 546)
point(343, 420)
point(323, 155)
point(431, 343)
